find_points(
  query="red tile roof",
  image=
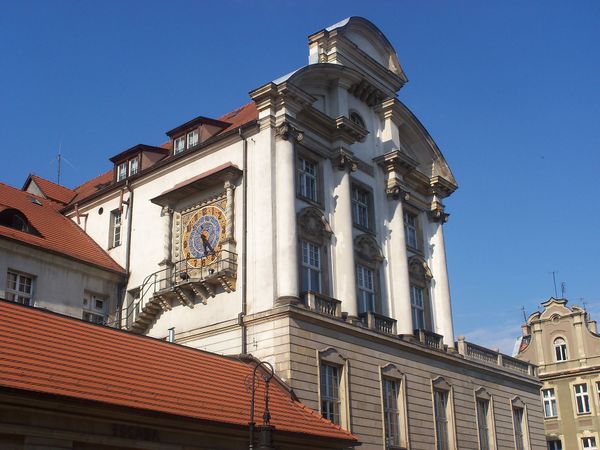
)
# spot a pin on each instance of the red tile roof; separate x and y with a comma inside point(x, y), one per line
point(48, 353)
point(58, 233)
point(52, 190)
point(240, 116)
point(92, 186)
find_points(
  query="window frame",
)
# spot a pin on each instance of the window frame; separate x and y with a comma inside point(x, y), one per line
point(363, 291)
point(195, 133)
point(561, 353)
point(131, 163)
point(417, 309)
point(304, 266)
point(550, 402)
point(518, 406)
point(590, 439)
point(440, 388)
point(179, 148)
point(122, 168)
point(482, 395)
point(302, 174)
point(554, 446)
point(391, 373)
point(585, 399)
point(366, 205)
point(15, 292)
point(89, 308)
point(330, 357)
point(115, 226)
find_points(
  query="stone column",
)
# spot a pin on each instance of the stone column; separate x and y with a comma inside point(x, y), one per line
point(167, 225)
point(228, 185)
point(285, 215)
point(398, 261)
point(345, 271)
point(441, 288)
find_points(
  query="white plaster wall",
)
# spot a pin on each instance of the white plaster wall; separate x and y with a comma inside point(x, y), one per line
point(59, 283)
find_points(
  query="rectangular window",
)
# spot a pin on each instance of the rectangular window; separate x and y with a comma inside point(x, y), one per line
point(94, 308)
point(330, 392)
point(549, 397)
point(192, 138)
point(588, 443)
point(518, 416)
point(554, 445)
point(307, 179)
point(598, 392)
point(133, 166)
point(483, 421)
point(19, 288)
point(582, 399)
point(418, 307)
point(410, 229)
point(179, 145)
point(115, 229)
point(441, 419)
point(360, 207)
point(121, 171)
point(366, 288)
point(310, 277)
point(391, 411)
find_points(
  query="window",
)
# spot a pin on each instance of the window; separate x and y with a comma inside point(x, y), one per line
point(310, 276)
point(133, 166)
point(549, 397)
point(122, 171)
point(179, 145)
point(518, 422)
point(554, 445)
point(391, 411)
point(361, 207)
point(588, 443)
point(483, 421)
point(192, 138)
point(94, 308)
point(330, 392)
point(357, 119)
point(582, 399)
point(418, 307)
point(19, 288)
point(440, 400)
point(115, 229)
point(410, 229)
point(598, 391)
point(560, 349)
point(307, 179)
point(366, 288)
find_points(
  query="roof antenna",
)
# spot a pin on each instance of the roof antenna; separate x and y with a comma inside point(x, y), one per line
point(58, 158)
point(524, 314)
point(554, 272)
point(563, 289)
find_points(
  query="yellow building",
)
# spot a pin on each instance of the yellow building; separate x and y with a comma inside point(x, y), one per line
point(564, 343)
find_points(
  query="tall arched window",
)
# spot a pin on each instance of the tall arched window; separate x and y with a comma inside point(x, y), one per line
point(560, 349)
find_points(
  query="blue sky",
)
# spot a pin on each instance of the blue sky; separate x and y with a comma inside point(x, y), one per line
point(509, 90)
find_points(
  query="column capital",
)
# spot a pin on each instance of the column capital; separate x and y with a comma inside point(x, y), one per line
point(396, 191)
point(344, 160)
point(437, 212)
point(287, 131)
point(166, 211)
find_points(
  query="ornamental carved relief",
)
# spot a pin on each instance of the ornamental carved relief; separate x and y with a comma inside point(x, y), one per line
point(418, 267)
point(312, 222)
point(367, 249)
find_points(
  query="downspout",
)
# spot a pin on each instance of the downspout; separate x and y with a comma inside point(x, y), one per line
point(123, 289)
point(242, 314)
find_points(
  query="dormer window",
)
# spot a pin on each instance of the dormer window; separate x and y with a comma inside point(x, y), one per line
point(13, 218)
point(128, 168)
point(192, 138)
point(133, 166)
point(121, 171)
point(179, 145)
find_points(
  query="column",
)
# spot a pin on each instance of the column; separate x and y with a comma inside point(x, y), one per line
point(285, 215)
point(345, 271)
point(441, 287)
point(228, 185)
point(167, 226)
point(398, 260)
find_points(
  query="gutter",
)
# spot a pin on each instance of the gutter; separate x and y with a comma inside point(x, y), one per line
point(244, 306)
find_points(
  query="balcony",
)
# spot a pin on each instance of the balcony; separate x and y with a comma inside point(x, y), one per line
point(378, 322)
point(492, 357)
point(186, 282)
point(323, 304)
point(430, 339)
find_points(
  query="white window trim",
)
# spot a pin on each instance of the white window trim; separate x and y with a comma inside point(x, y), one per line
point(391, 372)
point(367, 206)
point(331, 356)
point(564, 350)
point(194, 141)
point(112, 229)
point(587, 435)
point(576, 395)
point(178, 149)
point(16, 291)
point(91, 309)
point(304, 266)
point(549, 400)
point(372, 291)
point(302, 175)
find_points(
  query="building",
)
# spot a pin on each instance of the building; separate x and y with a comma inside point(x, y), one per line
point(47, 261)
point(563, 341)
point(66, 384)
point(306, 228)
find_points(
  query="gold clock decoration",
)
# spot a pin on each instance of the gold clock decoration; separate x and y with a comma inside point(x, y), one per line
point(203, 234)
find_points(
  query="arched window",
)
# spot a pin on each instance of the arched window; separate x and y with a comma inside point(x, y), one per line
point(357, 119)
point(560, 349)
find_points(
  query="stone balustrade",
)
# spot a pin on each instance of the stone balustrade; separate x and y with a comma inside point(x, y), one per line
point(492, 357)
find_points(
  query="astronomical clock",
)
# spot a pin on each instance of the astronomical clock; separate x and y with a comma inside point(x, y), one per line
point(204, 231)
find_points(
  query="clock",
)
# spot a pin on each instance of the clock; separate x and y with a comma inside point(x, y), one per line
point(203, 234)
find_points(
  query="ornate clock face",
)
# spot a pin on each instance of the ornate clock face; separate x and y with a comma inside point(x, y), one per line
point(203, 234)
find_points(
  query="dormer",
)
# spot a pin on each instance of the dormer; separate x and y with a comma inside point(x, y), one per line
point(132, 161)
point(193, 133)
point(15, 219)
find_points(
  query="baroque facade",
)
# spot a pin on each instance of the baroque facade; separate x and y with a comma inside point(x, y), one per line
point(306, 228)
point(564, 342)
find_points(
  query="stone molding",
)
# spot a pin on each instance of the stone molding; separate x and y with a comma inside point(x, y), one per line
point(312, 222)
point(287, 131)
point(344, 160)
point(418, 266)
point(367, 249)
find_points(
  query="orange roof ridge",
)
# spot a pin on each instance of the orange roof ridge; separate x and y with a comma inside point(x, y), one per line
point(49, 353)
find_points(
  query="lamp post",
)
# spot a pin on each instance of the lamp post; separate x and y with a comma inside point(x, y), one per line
point(266, 429)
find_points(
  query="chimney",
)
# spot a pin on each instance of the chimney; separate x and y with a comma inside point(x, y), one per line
point(525, 329)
